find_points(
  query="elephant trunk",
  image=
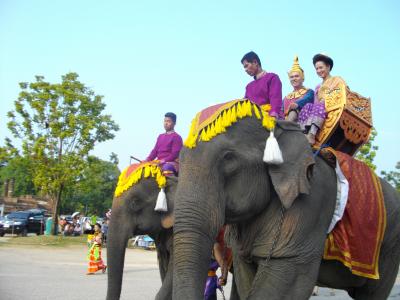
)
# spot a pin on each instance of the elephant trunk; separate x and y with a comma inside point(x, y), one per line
point(118, 235)
point(197, 222)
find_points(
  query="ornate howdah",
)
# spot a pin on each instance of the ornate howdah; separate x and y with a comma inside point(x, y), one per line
point(349, 119)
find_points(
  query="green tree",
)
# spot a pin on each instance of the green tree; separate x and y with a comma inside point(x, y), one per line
point(367, 152)
point(393, 177)
point(58, 124)
point(7, 152)
point(94, 190)
point(19, 169)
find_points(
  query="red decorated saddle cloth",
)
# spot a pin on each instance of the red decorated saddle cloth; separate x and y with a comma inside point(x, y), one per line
point(356, 239)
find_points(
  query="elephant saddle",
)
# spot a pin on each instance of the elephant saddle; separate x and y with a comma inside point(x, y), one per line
point(356, 239)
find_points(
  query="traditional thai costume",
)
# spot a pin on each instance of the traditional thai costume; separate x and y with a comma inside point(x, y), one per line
point(167, 150)
point(301, 97)
point(315, 113)
point(94, 255)
point(266, 90)
point(310, 108)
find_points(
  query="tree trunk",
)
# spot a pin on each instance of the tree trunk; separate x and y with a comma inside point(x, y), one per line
point(56, 207)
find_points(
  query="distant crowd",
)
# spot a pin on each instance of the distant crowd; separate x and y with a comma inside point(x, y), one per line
point(76, 224)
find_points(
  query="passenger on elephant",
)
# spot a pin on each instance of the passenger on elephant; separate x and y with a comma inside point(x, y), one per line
point(313, 115)
point(266, 88)
point(300, 96)
point(167, 147)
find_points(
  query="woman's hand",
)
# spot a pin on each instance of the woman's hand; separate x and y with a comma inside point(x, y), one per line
point(293, 105)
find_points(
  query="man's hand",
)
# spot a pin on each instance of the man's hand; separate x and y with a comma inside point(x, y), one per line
point(221, 281)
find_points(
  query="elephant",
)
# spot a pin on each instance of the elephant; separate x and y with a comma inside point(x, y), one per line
point(279, 215)
point(133, 214)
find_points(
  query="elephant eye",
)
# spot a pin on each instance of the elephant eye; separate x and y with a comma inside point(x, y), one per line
point(230, 163)
point(228, 156)
point(134, 205)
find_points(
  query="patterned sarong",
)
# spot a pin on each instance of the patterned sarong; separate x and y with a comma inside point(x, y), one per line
point(357, 237)
point(312, 113)
point(94, 257)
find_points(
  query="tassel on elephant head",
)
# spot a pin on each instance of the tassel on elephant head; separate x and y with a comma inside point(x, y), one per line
point(161, 204)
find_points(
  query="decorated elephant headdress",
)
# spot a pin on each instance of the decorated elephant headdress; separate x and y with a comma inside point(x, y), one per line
point(135, 172)
point(215, 119)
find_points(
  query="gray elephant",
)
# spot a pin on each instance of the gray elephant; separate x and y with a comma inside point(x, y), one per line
point(279, 213)
point(133, 214)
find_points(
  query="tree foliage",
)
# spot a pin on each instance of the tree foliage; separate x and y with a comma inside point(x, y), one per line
point(58, 124)
point(367, 152)
point(393, 177)
point(94, 189)
point(19, 169)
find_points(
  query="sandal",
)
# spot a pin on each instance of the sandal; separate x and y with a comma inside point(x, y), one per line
point(104, 269)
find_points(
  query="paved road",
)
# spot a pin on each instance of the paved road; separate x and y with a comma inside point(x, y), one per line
point(59, 273)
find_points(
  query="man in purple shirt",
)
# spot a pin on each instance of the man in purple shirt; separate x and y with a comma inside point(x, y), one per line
point(167, 146)
point(266, 88)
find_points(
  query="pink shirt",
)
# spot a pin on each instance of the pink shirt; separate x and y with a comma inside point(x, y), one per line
point(266, 90)
point(167, 147)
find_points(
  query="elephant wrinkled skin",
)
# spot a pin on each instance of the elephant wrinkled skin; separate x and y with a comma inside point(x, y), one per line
point(225, 181)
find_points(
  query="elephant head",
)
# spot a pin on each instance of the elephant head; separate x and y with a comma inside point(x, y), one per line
point(224, 180)
point(133, 214)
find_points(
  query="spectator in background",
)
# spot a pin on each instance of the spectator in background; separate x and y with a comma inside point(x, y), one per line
point(77, 230)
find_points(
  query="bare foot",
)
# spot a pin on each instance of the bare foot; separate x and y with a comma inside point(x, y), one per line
point(311, 138)
point(292, 116)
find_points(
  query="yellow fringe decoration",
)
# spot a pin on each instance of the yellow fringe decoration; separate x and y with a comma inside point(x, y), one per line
point(224, 119)
point(144, 170)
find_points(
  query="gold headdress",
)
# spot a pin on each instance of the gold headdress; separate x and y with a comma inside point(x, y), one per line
point(296, 67)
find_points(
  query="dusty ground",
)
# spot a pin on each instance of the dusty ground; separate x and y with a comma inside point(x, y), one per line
point(59, 273)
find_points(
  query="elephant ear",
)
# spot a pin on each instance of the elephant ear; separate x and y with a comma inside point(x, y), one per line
point(168, 219)
point(292, 177)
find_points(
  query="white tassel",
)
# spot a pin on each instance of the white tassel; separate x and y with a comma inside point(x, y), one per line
point(161, 204)
point(272, 153)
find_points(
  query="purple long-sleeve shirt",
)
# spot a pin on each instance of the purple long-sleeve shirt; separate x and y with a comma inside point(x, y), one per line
point(266, 90)
point(167, 147)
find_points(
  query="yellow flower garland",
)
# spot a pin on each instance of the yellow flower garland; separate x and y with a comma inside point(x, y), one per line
point(144, 170)
point(225, 118)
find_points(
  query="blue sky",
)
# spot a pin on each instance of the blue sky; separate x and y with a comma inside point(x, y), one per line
point(182, 56)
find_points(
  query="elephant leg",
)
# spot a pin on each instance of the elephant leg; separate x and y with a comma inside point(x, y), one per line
point(243, 277)
point(165, 292)
point(234, 292)
point(282, 279)
point(388, 270)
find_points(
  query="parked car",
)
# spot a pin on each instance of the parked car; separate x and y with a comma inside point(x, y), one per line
point(24, 222)
point(2, 233)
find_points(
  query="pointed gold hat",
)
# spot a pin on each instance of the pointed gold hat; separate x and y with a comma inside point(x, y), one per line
point(296, 67)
